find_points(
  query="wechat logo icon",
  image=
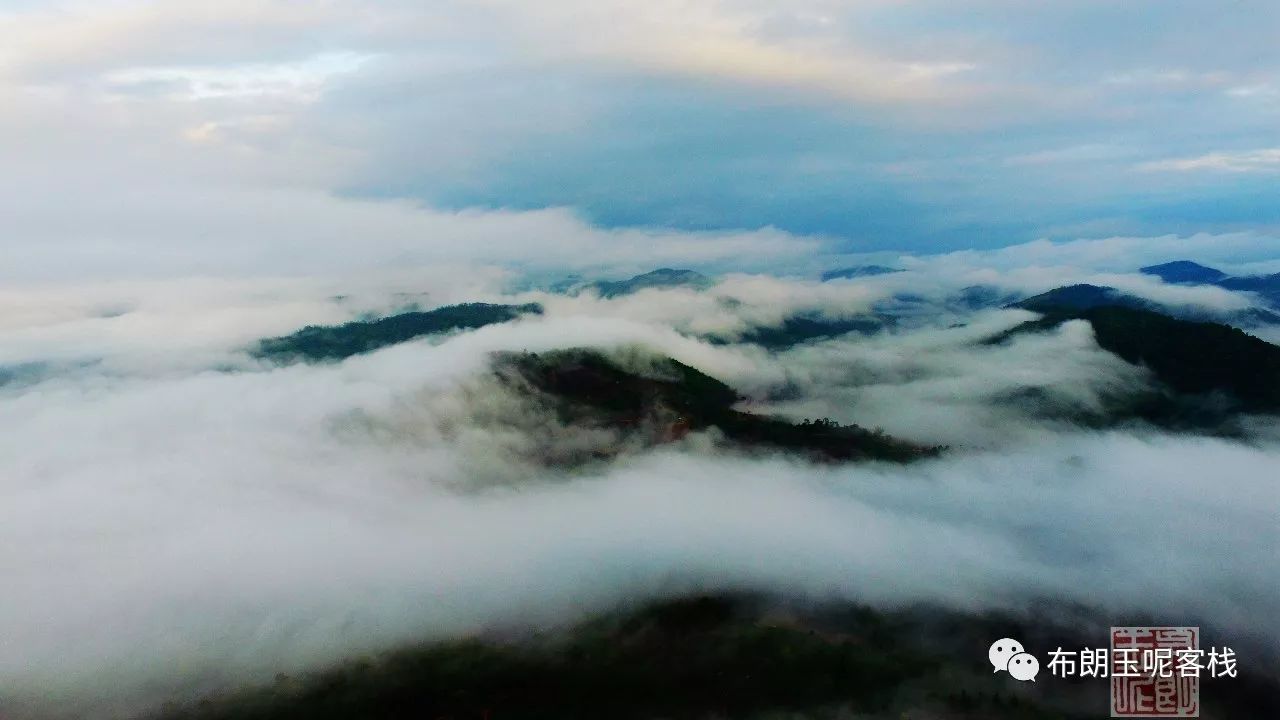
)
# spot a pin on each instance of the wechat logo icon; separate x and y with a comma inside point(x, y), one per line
point(1008, 655)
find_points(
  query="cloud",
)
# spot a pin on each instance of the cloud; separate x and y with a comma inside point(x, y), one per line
point(736, 41)
point(940, 386)
point(77, 39)
point(162, 326)
point(887, 125)
point(731, 40)
point(177, 517)
point(736, 303)
point(170, 534)
point(1231, 252)
point(301, 81)
point(182, 230)
point(1263, 160)
point(232, 186)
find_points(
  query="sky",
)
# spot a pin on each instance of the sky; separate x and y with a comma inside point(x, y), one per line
point(270, 136)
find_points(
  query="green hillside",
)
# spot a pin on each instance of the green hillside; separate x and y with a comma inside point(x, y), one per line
point(799, 329)
point(695, 658)
point(1191, 358)
point(587, 387)
point(722, 656)
point(335, 342)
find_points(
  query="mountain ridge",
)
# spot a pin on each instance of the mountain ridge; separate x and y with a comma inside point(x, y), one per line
point(1186, 272)
point(338, 342)
point(659, 278)
point(1083, 296)
point(1218, 368)
point(670, 399)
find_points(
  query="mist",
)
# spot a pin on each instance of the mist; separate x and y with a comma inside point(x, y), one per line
point(179, 517)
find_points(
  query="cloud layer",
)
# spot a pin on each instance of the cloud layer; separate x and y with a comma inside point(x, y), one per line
point(175, 523)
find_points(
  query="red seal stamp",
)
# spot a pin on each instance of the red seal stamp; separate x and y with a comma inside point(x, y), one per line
point(1150, 672)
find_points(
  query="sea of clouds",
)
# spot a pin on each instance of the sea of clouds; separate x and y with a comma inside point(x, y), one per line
point(178, 517)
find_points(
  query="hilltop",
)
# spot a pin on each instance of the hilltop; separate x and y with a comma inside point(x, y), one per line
point(858, 271)
point(1185, 272)
point(336, 342)
point(1086, 297)
point(660, 278)
point(1212, 368)
point(667, 399)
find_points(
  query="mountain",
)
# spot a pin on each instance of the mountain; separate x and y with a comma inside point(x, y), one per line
point(1184, 272)
point(1193, 357)
point(660, 278)
point(800, 329)
point(1085, 297)
point(336, 342)
point(978, 297)
point(698, 657)
point(1216, 365)
point(669, 399)
point(688, 658)
point(858, 271)
point(1082, 297)
point(1268, 286)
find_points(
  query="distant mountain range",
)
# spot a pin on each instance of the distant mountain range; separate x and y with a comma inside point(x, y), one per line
point(1085, 297)
point(1185, 272)
point(1192, 355)
point(336, 342)
point(660, 278)
point(858, 271)
point(801, 328)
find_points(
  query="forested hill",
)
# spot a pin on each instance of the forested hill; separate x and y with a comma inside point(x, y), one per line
point(670, 399)
point(335, 342)
point(1193, 358)
point(718, 656)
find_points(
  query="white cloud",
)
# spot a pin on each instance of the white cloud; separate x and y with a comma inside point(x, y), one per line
point(302, 81)
point(204, 199)
point(186, 531)
point(1116, 254)
point(175, 232)
point(166, 528)
point(67, 40)
point(1262, 160)
point(940, 385)
point(1260, 90)
point(721, 40)
point(736, 303)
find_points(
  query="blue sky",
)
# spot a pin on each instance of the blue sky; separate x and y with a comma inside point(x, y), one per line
point(913, 125)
